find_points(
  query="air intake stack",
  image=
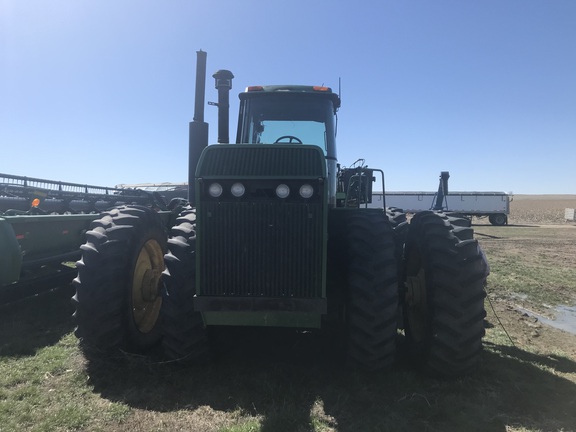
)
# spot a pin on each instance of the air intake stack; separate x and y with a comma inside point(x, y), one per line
point(198, 135)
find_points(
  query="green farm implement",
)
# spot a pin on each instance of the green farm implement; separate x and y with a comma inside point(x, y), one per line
point(42, 226)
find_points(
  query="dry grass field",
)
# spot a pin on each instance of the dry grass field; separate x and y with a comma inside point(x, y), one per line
point(267, 381)
point(540, 209)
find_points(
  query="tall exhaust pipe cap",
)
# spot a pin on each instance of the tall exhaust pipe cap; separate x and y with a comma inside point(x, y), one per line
point(223, 79)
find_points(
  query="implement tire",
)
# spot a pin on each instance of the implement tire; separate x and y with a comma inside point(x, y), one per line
point(372, 289)
point(117, 297)
point(185, 338)
point(443, 296)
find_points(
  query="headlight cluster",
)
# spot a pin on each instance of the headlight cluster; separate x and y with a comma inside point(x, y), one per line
point(238, 190)
point(216, 189)
point(306, 191)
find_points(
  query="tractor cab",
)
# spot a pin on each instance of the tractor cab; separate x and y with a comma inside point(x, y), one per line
point(289, 115)
point(292, 114)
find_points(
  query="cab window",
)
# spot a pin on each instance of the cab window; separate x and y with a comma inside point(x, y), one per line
point(282, 118)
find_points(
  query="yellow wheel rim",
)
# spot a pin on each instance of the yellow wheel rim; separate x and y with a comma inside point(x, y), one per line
point(146, 298)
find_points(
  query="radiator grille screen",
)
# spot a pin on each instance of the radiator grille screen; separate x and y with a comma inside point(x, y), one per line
point(268, 249)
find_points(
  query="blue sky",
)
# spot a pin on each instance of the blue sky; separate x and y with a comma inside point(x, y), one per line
point(101, 92)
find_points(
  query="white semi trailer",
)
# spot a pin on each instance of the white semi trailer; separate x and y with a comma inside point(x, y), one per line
point(494, 205)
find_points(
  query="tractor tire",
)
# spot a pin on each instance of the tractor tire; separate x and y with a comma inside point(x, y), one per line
point(185, 339)
point(117, 297)
point(399, 223)
point(443, 294)
point(459, 219)
point(372, 290)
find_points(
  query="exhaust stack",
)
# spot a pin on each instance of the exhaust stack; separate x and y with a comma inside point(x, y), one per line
point(198, 132)
point(223, 85)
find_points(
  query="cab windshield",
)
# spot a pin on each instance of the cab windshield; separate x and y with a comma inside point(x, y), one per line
point(287, 118)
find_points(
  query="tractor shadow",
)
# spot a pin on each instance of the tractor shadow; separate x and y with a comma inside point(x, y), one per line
point(292, 381)
point(35, 322)
point(514, 225)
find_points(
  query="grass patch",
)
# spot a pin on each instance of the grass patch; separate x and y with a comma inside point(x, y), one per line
point(249, 426)
point(531, 263)
point(49, 391)
point(540, 282)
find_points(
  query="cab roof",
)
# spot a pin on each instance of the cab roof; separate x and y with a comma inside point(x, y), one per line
point(291, 89)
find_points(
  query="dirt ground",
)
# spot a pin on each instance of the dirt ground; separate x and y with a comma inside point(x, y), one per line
point(523, 319)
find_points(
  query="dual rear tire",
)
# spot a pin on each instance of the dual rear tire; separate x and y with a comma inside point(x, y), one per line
point(443, 294)
point(439, 271)
point(118, 287)
point(127, 298)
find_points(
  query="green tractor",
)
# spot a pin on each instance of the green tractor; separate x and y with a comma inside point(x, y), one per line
point(279, 234)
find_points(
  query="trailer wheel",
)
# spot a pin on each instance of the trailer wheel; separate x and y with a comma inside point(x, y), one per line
point(445, 273)
point(498, 219)
point(372, 290)
point(185, 338)
point(117, 297)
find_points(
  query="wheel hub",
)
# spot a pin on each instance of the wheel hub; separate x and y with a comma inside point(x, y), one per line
point(149, 288)
point(146, 300)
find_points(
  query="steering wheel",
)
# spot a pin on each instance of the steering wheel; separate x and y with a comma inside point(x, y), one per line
point(291, 139)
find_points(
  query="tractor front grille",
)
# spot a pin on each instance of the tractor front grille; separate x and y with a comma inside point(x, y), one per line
point(261, 249)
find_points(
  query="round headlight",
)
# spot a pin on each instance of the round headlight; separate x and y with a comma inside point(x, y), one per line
point(215, 190)
point(237, 190)
point(306, 191)
point(282, 191)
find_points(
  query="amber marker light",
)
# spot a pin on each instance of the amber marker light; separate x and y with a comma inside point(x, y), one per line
point(35, 202)
point(320, 88)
